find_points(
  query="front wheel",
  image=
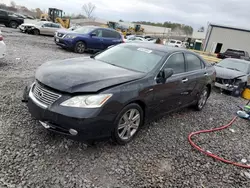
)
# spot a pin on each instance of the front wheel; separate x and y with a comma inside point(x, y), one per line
point(80, 47)
point(202, 99)
point(127, 124)
point(36, 32)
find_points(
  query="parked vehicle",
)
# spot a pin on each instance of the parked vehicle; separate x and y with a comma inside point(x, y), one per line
point(135, 39)
point(88, 37)
point(25, 27)
point(10, 19)
point(233, 53)
point(233, 75)
point(175, 43)
point(114, 92)
point(43, 28)
point(2, 46)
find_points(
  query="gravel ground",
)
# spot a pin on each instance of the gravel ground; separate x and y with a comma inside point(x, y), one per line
point(160, 156)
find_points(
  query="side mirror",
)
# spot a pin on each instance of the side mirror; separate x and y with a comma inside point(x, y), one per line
point(164, 75)
point(168, 72)
point(92, 34)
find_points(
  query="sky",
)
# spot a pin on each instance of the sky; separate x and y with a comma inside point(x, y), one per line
point(196, 13)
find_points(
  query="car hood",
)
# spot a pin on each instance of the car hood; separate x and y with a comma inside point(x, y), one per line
point(83, 75)
point(225, 73)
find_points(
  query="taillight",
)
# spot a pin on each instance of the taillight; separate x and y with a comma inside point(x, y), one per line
point(218, 55)
point(1, 37)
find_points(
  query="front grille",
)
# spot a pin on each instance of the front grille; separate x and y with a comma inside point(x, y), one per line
point(60, 35)
point(44, 95)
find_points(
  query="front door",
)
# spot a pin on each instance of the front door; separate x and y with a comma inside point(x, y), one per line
point(96, 42)
point(45, 29)
point(168, 95)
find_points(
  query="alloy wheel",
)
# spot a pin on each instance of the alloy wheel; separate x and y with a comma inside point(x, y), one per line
point(203, 99)
point(129, 124)
point(80, 48)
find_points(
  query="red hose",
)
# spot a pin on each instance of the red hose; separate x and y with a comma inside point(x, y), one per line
point(210, 154)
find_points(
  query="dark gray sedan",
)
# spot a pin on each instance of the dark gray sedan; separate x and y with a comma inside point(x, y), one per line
point(232, 75)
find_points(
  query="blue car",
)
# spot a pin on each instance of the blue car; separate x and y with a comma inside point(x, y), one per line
point(88, 37)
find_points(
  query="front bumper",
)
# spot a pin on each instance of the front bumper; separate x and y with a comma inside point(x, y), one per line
point(226, 87)
point(64, 42)
point(89, 123)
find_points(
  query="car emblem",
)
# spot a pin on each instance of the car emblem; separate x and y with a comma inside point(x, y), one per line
point(40, 94)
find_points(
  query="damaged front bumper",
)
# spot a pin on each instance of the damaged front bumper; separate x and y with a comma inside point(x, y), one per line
point(227, 87)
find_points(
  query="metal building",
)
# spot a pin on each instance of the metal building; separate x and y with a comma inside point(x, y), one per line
point(221, 37)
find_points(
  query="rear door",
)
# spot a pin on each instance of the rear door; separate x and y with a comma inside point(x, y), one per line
point(196, 76)
point(111, 38)
point(168, 96)
point(54, 28)
point(96, 42)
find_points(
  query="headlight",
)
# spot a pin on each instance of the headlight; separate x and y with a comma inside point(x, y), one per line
point(70, 36)
point(87, 101)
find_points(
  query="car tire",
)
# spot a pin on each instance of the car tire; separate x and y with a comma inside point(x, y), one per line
point(13, 24)
point(36, 32)
point(127, 124)
point(80, 47)
point(202, 100)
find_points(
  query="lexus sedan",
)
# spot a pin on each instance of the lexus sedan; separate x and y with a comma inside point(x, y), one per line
point(112, 94)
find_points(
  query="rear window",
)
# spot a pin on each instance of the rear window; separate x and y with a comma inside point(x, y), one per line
point(131, 57)
point(237, 52)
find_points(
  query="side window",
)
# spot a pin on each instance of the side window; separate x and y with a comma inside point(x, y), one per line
point(55, 25)
point(109, 34)
point(2, 13)
point(47, 25)
point(176, 62)
point(98, 32)
point(193, 62)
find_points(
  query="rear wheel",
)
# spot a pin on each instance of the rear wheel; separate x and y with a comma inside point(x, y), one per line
point(36, 32)
point(80, 47)
point(202, 99)
point(127, 124)
point(13, 24)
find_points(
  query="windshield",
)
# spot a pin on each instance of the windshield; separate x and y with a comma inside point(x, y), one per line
point(84, 30)
point(131, 57)
point(235, 65)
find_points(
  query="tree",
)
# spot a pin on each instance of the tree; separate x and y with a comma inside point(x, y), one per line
point(88, 9)
point(201, 29)
point(13, 4)
point(121, 21)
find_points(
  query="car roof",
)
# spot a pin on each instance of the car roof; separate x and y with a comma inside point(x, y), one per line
point(237, 60)
point(160, 47)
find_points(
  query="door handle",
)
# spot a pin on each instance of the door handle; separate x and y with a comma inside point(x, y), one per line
point(206, 74)
point(184, 80)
